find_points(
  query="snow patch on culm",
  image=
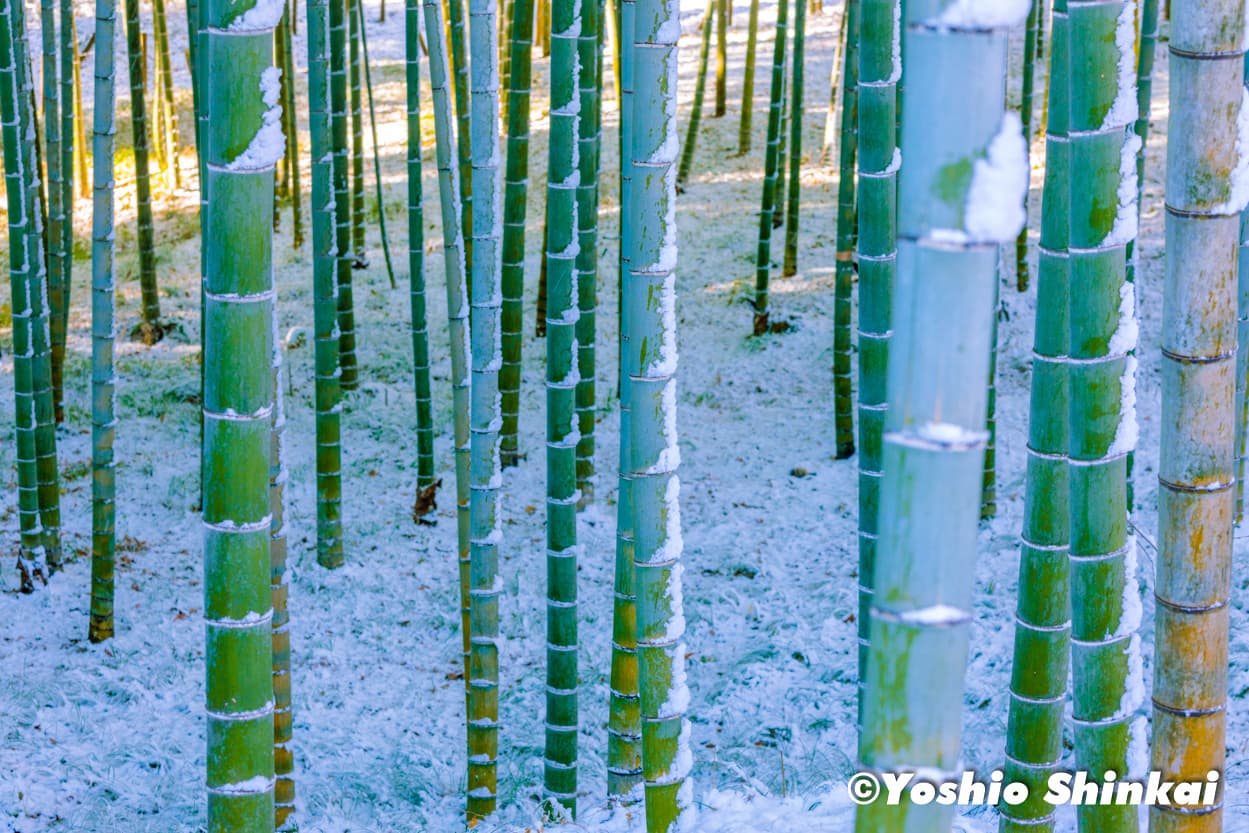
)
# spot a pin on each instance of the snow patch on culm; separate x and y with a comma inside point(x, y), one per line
point(673, 544)
point(1128, 332)
point(983, 14)
point(1133, 610)
point(264, 15)
point(670, 457)
point(666, 363)
point(896, 74)
point(1238, 190)
point(995, 208)
point(269, 144)
point(1126, 223)
point(1128, 431)
point(895, 164)
point(678, 700)
point(1124, 110)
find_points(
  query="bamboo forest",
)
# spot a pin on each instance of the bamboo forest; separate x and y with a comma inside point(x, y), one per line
point(624, 416)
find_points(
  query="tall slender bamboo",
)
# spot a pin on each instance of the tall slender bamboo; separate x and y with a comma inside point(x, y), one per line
point(700, 88)
point(611, 27)
point(515, 205)
point(464, 150)
point(1042, 649)
point(56, 248)
point(292, 133)
point(457, 296)
point(624, 722)
point(165, 94)
point(243, 143)
point(1106, 671)
point(150, 329)
point(103, 378)
point(778, 216)
point(880, 70)
point(1031, 40)
point(563, 179)
point(1242, 353)
point(425, 482)
point(1145, 84)
point(748, 80)
point(340, 140)
point(279, 592)
point(950, 230)
point(829, 145)
point(82, 185)
point(1207, 189)
point(354, 26)
point(485, 415)
point(377, 162)
point(71, 105)
point(654, 454)
point(21, 188)
point(847, 236)
point(722, 13)
point(589, 139)
point(771, 169)
point(790, 264)
point(325, 307)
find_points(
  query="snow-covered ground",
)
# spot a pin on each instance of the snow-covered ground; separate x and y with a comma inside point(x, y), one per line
point(112, 737)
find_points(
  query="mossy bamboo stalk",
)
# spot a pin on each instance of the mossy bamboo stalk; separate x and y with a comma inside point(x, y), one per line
point(359, 260)
point(515, 206)
point(165, 92)
point(328, 394)
point(21, 186)
point(485, 415)
point(624, 722)
point(103, 376)
point(279, 591)
point(151, 327)
point(1042, 647)
point(700, 89)
point(589, 139)
point(1206, 190)
point(789, 266)
point(340, 141)
point(457, 297)
point(748, 80)
point(949, 233)
point(879, 71)
point(771, 171)
point(242, 145)
point(847, 236)
point(425, 477)
point(1106, 671)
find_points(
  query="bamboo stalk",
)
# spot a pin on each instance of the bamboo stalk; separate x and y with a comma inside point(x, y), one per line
point(847, 236)
point(150, 329)
point(700, 88)
point(748, 80)
point(771, 172)
point(789, 265)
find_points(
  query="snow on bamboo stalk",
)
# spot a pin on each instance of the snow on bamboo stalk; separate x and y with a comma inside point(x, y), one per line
point(515, 205)
point(772, 164)
point(279, 589)
point(960, 196)
point(150, 329)
point(21, 179)
point(1207, 189)
point(624, 722)
point(485, 414)
point(652, 364)
point(339, 141)
point(103, 376)
point(1106, 609)
point(880, 69)
point(457, 294)
point(589, 138)
point(328, 393)
point(748, 80)
point(1043, 615)
point(847, 236)
point(560, 765)
point(243, 143)
point(425, 481)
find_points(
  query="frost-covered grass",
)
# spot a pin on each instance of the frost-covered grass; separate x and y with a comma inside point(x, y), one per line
point(102, 738)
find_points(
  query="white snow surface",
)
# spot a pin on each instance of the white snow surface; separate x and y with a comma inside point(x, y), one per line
point(994, 208)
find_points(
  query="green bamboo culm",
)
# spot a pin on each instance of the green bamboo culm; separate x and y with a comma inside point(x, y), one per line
point(829, 145)
point(21, 191)
point(515, 205)
point(950, 230)
point(485, 416)
point(653, 450)
point(789, 266)
point(748, 80)
point(1147, 48)
point(103, 376)
point(1106, 608)
point(464, 145)
point(1031, 42)
point(771, 167)
point(778, 211)
point(72, 141)
point(425, 477)
point(1207, 188)
point(150, 330)
point(377, 162)
point(289, 112)
point(880, 70)
point(165, 94)
point(56, 229)
point(700, 89)
point(242, 145)
point(847, 237)
point(1042, 648)
point(624, 721)
point(340, 141)
point(589, 140)
point(563, 179)
point(328, 394)
point(358, 258)
point(457, 296)
point(81, 184)
point(279, 592)
point(722, 14)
